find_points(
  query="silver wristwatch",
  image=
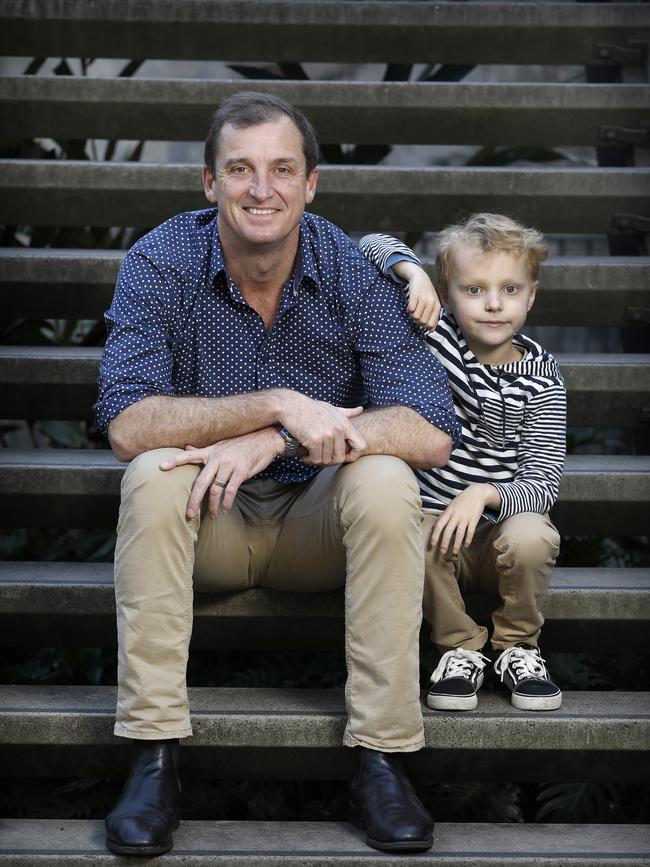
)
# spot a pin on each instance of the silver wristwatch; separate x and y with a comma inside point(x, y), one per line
point(291, 444)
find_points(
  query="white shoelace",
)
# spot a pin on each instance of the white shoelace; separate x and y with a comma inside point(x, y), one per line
point(459, 663)
point(525, 662)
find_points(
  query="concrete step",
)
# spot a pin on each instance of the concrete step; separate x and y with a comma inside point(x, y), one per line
point(309, 30)
point(79, 284)
point(64, 107)
point(72, 843)
point(296, 733)
point(60, 382)
point(73, 605)
point(80, 488)
point(79, 193)
point(603, 389)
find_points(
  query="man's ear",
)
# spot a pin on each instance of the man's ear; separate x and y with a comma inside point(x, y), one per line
point(312, 182)
point(533, 293)
point(209, 186)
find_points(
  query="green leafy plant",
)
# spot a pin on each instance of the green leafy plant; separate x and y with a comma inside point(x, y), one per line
point(579, 802)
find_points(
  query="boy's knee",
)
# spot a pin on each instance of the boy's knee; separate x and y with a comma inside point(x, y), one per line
point(528, 538)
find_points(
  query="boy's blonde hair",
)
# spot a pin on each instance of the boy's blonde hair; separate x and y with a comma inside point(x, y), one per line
point(491, 232)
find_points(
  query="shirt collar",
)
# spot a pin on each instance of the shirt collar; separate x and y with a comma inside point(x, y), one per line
point(217, 262)
point(306, 270)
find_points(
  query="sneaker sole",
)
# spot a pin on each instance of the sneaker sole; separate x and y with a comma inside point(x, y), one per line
point(526, 702)
point(452, 702)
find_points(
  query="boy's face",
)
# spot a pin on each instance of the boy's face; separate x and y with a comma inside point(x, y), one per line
point(489, 294)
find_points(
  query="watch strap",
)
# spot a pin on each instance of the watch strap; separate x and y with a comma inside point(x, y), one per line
point(291, 444)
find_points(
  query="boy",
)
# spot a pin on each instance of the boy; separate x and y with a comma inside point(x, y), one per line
point(486, 521)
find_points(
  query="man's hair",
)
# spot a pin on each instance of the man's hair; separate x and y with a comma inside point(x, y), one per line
point(250, 108)
point(492, 233)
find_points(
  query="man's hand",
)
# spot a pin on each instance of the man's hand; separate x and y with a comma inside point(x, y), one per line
point(460, 518)
point(226, 465)
point(424, 304)
point(325, 431)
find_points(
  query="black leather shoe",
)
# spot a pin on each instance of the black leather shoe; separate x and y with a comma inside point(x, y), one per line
point(142, 821)
point(382, 802)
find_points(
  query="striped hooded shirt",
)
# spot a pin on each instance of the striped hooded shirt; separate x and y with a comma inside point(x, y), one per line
point(512, 416)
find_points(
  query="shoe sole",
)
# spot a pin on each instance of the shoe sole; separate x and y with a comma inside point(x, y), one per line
point(547, 702)
point(408, 846)
point(120, 849)
point(383, 846)
point(452, 702)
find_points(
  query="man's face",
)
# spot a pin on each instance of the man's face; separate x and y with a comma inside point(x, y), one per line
point(259, 185)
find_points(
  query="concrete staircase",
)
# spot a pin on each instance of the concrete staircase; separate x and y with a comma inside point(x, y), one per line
point(295, 734)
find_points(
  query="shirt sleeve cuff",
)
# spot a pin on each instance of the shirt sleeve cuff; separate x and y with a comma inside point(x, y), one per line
point(392, 260)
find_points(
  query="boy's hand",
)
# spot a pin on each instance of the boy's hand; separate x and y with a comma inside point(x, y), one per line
point(424, 304)
point(460, 518)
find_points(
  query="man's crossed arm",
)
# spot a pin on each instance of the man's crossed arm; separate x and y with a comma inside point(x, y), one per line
point(163, 421)
point(235, 437)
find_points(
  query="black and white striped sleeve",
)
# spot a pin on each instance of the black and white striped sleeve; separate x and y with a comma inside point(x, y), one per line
point(540, 457)
point(384, 251)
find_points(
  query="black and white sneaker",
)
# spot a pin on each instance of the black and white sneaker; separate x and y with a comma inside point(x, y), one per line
point(523, 671)
point(457, 678)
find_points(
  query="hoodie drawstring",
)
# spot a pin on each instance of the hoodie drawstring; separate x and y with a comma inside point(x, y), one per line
point(503, 411)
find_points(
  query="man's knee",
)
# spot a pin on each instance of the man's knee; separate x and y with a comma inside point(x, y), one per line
point(146, 484)
point(382, 488)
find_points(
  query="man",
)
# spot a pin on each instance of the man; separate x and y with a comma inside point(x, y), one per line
point(260, 377)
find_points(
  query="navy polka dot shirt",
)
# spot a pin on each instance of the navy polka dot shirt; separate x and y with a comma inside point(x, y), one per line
point(179, 325)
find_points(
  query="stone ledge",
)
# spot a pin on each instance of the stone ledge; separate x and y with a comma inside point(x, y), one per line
point(309, 30)
point(80, 488)
point(314, 719)
point(79, 284)
point(358, 198)
point(317, 844)
point(50, 382)
point(364, 113)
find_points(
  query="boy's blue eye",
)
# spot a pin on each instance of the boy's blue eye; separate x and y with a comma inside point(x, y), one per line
point(473, 290)
point(511, 290)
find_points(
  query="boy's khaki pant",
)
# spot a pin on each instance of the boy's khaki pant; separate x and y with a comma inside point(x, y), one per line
point(358, 525)
point(513, 559)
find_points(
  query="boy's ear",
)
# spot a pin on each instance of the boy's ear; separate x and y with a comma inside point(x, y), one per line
point(533, 293)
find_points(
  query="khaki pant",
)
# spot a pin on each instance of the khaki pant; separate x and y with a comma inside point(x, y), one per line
point(513, 559)
point(358, 525)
